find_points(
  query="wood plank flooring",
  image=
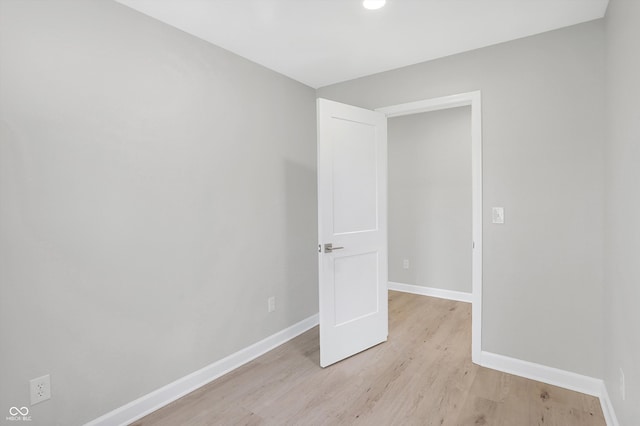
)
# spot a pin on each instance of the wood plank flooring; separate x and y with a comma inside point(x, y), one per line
point(422, 375)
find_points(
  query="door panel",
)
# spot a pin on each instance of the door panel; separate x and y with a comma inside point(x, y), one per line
point(352, 185)
point(354, 168)
point(355, 284)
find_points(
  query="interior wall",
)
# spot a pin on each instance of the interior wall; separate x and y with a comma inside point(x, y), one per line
point(622, 225)
point(155, 191)
point(542, 106)
point(429, 157)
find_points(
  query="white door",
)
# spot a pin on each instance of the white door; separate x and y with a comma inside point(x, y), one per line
point(352, 219)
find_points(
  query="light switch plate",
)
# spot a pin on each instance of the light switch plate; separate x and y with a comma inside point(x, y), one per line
point(498, 215)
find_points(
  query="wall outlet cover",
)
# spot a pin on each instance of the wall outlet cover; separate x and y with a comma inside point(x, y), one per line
point(40, 389)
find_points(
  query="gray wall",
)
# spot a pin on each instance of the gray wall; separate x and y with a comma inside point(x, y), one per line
point(430, 199)
point(155, 190)
point(543, 103)
point(622, 228)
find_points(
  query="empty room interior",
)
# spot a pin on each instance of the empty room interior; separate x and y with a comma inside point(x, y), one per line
point(319, 212)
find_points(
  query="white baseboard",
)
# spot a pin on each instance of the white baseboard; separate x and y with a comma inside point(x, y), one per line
point(553, 376)
point(433, 292)
point(159, 398)
point(607, 407)
point(542, 373)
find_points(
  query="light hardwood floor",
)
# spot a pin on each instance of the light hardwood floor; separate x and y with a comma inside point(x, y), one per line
point(422, 375)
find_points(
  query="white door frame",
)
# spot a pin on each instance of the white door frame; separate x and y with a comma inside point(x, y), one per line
point(474, 100)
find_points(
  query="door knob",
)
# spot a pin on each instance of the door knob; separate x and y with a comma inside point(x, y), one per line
point(328, 248)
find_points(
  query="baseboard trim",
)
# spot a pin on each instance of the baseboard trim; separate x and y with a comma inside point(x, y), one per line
point(542, 373)
point(553, 376)
point(458, 296)
point(607, 407)
point(159, 398)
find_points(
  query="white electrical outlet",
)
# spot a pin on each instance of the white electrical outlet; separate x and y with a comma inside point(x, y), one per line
point(271, 303)
point(40, 389)
point(405, 264)
point(623, 387)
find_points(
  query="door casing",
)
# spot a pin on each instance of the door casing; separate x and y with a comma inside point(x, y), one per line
point(474, 100)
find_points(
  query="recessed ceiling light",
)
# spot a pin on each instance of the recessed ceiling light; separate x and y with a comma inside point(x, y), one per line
point(373, 4)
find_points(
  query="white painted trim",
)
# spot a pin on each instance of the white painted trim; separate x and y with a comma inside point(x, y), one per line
point(553, 376)
point(458, 296)
point(542, 373)
point(429, 105)
point(475, 100)
point(607, 407)
point(159, 398)
point(476, 202)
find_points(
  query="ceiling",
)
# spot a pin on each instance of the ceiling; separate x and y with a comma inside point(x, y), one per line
point(320, 42)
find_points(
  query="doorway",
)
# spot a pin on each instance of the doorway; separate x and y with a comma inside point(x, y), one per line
point(429, 207)
point(473, 100)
